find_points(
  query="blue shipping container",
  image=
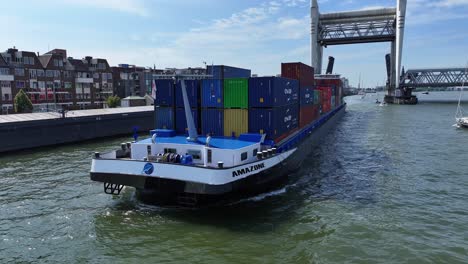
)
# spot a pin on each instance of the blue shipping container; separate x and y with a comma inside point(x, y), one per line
point(273, 122)
point(223, 71)
point(306, 96)
point(164, 92)
point(212, 93)
point(212, 122)
point(181, 121)
point(192, 87)
point(164, 117)
point(273, 91)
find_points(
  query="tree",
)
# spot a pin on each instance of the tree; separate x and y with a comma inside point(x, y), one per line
point(113, 101)
point(22, 103)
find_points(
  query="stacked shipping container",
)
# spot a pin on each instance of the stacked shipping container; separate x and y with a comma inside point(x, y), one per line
point(232, 103)
point(225, 101)
point(164, 109)
point(334, 82)
point(308, 104)
point(169, 104)
point(273, 103)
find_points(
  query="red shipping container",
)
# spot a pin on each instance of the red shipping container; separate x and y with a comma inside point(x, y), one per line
point(305, 115)
point(298, 71)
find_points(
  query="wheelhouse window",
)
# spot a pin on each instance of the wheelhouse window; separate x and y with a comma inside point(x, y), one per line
point(170, 150)
point(196, 154)
point(243, 156)
point(254, 152)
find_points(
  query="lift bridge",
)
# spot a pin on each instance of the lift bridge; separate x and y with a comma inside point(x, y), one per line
point(378, 25)
point(363, 26)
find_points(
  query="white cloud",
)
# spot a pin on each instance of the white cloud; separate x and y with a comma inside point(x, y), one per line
point(293, 3)
point(135, 7)
point(450, 3)
point(244, 39)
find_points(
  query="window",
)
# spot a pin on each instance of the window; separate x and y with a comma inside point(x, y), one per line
point(123, 76)
point(4, 71)
point(243, 156)
point(68, 85)
point(19, 60)
point(50, 85)
point(6, 97)
point(170, 150)
point(49, 73)
point(33, 84)
point(41, 85)
point(5, 84)
point(20, 84)
point(96, 75)
point(209, 154)
point(57, 74)
point(67, 74)
point(254, 152)
point(19, 71)
point(40, 73)
point(56, 84)
point(32, 73)
point(58, 63)
point(29, 60)
point(196, 154)
point(101, 66)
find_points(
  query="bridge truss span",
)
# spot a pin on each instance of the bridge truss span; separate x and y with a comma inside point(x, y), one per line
point(438, 77)
point(357, 27)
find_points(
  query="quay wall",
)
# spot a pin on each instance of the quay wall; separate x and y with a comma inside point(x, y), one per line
point(48, 132)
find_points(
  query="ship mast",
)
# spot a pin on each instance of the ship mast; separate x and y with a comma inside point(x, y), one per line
point(192, 129)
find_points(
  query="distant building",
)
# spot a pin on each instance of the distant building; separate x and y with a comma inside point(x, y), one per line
point(29, 75)
point(6, 83)
point(54, 81)
point(129, 80)
point(151, 74)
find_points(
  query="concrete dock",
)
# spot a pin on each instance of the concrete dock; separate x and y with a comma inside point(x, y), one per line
point(24, 131)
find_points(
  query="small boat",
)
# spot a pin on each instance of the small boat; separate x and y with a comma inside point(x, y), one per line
point(462, 122)
point(427, 92)
point(461, 118)
point(377, 101)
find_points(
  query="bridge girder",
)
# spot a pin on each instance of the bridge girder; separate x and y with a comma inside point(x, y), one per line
point(438, 77)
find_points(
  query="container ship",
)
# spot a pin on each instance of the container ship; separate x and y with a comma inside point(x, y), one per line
point(226, 136)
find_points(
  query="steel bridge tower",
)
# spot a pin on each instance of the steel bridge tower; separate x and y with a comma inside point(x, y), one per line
point(365, 26)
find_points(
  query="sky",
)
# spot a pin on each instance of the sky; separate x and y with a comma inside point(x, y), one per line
point(254, 34)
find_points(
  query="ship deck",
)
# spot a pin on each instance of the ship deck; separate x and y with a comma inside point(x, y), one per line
point(221, 143)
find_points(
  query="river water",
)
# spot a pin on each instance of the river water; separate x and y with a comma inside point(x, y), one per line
point(389, 185)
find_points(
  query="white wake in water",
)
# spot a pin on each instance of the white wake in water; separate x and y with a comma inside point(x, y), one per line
point(262, 196)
